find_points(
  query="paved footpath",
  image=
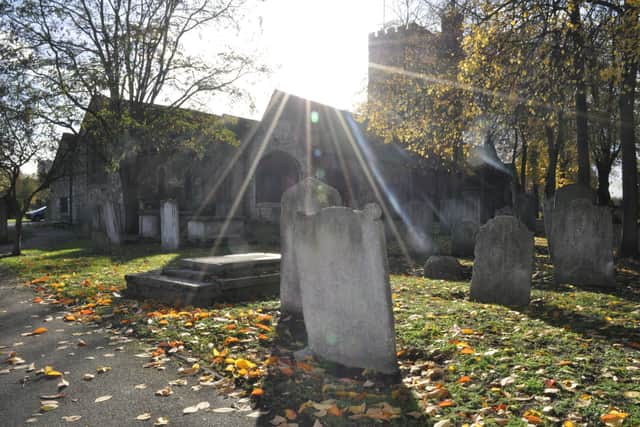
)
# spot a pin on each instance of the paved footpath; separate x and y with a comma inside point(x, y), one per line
point(22, 390)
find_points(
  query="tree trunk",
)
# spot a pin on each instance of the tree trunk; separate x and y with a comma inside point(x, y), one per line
point(523, 165)
point(4, 217)
point(582, 135)
point(604, 198)
point(553, 148)
point(629, 246)
point(17, 244)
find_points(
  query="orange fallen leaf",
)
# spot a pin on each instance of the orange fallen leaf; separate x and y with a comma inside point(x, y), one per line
point(467, 331)
point(257, 392)
point(467, 350)
point(285, 370)
point(290, 414)
point(38, 331)
point(335, 411)
point(37, 300)
point(464, 379)
point(263, 337)
point(231, 340)
point(263, 327)
point(70, 318)
point(446, 403)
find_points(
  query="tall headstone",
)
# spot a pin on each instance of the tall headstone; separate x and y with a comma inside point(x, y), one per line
point(149, 226)
point(463, 238)
point(420, 226)
point(169, 225)
point(582, 236)
point(503, 262)
point(563, 196)
point(111, 222)
point(526, 209)
point(344, 279)
point(307, 197)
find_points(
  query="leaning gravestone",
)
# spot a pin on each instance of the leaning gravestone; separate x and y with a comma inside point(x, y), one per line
point(503, 262)
point(420, 226)
point(344, 279)
point(308, 197)
point(582, 236)
point(463, 238)
point(169, 225)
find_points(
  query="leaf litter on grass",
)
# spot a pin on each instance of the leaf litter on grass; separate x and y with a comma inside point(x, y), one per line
point(571, 357)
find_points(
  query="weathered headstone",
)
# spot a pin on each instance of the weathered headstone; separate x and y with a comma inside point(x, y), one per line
point(420, 226)
point(463, 238)
point(111, 222)
point(344, 279)
point(563, 196)
point(308, 197)
point(149, 226)
point(568, 193)
point(582, 236)
point(503, 262)
point(526, 209)
point(443, 268)
point(169, 225)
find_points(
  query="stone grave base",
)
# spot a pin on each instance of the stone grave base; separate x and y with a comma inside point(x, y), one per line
point(203, 281)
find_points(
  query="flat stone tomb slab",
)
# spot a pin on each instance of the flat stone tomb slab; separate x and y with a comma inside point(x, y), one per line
point(228, 264)
point(203, 281)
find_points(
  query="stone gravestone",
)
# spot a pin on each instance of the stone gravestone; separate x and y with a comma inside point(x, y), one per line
point(563, 196)
point(308, 196)
point(344, 279)
point(582, 236)
point(420, 226)
point(463, 238)
point(169, 225)
point(443, 268)
point(503, 262)
point(526, 209)
point(110, 219)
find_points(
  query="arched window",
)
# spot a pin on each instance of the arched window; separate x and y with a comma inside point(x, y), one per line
point(276, 172)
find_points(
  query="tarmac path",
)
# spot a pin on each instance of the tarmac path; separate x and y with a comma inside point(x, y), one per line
point(76, 349)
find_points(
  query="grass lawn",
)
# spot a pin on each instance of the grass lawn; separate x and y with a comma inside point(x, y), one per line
point(572, 357)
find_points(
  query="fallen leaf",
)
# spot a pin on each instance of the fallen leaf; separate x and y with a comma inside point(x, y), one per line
point(49, 406)
point(290, 414)
point(161, 421)
point(257, 392)
point(39, 331)
point(52, 396)
point(63, 383)
point(71, 418)
point(140, 386)
point(446, 403)
point(49, 372)
point(223, 410)
point(88, 377)
point(144, 417)
point(164, 392)
point(613, 418)
point(102, 399)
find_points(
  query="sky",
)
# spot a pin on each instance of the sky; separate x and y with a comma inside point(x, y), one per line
point(316, 49)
